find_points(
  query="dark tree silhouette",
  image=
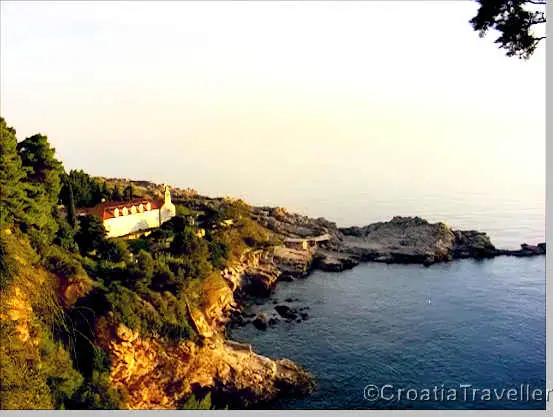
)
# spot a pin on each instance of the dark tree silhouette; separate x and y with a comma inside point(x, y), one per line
point(116, 194)
point(71, 211)
point(128, 193)
point(515, 21)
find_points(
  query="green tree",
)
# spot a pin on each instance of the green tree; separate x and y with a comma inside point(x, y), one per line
point(515, 21)
point(71, 211)
point(43, 169)
point(218, 253)
point(12, 194)
point(96, 192)
point(116, 195)
point(42, 185)
point(91, 234)
point(65, 236)
point(128, 193)
point(192, 253)
point(114, 250)
point(105, 194)
point(82, 185)
point(142, 271)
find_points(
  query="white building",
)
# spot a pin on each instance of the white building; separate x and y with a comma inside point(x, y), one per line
point(127, 217)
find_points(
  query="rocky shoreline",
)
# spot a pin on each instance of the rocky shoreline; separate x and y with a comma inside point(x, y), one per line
point(404, 240)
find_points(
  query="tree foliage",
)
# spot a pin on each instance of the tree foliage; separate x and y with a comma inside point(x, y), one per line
point(71, 210)
point(87, 192)
point(515, 21)
point(91, 234)
point(12, 193)
point(43, 169)
point(30, 180)
point(128, 193)
point(116, 195)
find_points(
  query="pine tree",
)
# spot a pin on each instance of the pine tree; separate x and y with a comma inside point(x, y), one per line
point(42, 185)
point(43, 169)
point(12, 194)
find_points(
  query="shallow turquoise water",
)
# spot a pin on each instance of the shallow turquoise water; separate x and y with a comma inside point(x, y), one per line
point(477, 323)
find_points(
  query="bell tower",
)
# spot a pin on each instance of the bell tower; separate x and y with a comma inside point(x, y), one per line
point(167, 210)
point(167, 196)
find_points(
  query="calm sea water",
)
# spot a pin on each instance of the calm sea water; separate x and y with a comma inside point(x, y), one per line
point(437, 331)
point(509, 216)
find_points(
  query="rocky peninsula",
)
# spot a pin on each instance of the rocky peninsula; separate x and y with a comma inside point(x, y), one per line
point(410, 240)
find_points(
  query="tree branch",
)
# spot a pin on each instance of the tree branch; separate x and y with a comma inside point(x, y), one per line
point(540, 3)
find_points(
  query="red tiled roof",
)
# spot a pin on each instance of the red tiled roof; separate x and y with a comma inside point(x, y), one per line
point(107, 210)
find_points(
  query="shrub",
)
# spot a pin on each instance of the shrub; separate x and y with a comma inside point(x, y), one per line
point(61, 263)
point(114, 250)
point(136, 245)
point(218, 253)
point(163, 278)
point(65, 236)
point(192, 403)
point(8, 266)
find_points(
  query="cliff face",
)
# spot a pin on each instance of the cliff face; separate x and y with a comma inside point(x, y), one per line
point(154, 374)
point(159, 374)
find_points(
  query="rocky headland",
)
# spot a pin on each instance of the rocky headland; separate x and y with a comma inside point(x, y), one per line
point(400, 240)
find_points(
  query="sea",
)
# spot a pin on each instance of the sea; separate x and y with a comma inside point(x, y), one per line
point(468, 334)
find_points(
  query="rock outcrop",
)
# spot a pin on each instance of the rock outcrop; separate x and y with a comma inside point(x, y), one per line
point(331, 261)
point(415, 240)
point(293, 263)
point(400, 240)
point(525, 250)
point(156, 374)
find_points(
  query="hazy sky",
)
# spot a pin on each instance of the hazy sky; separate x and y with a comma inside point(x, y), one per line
point(280, 103)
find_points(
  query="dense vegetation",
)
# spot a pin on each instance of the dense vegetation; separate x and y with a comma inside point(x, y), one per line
point(50, 358)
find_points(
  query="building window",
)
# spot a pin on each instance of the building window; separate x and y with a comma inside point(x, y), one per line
point(133, 209)
point(116, 212)
point(141, 208)
point(148, 206)
point(125, 211)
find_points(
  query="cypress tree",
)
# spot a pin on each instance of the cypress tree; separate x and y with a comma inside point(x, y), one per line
point(71, 211)
point(105, 191)
point(96, 191)
point(116, 195)
point(128, 193)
